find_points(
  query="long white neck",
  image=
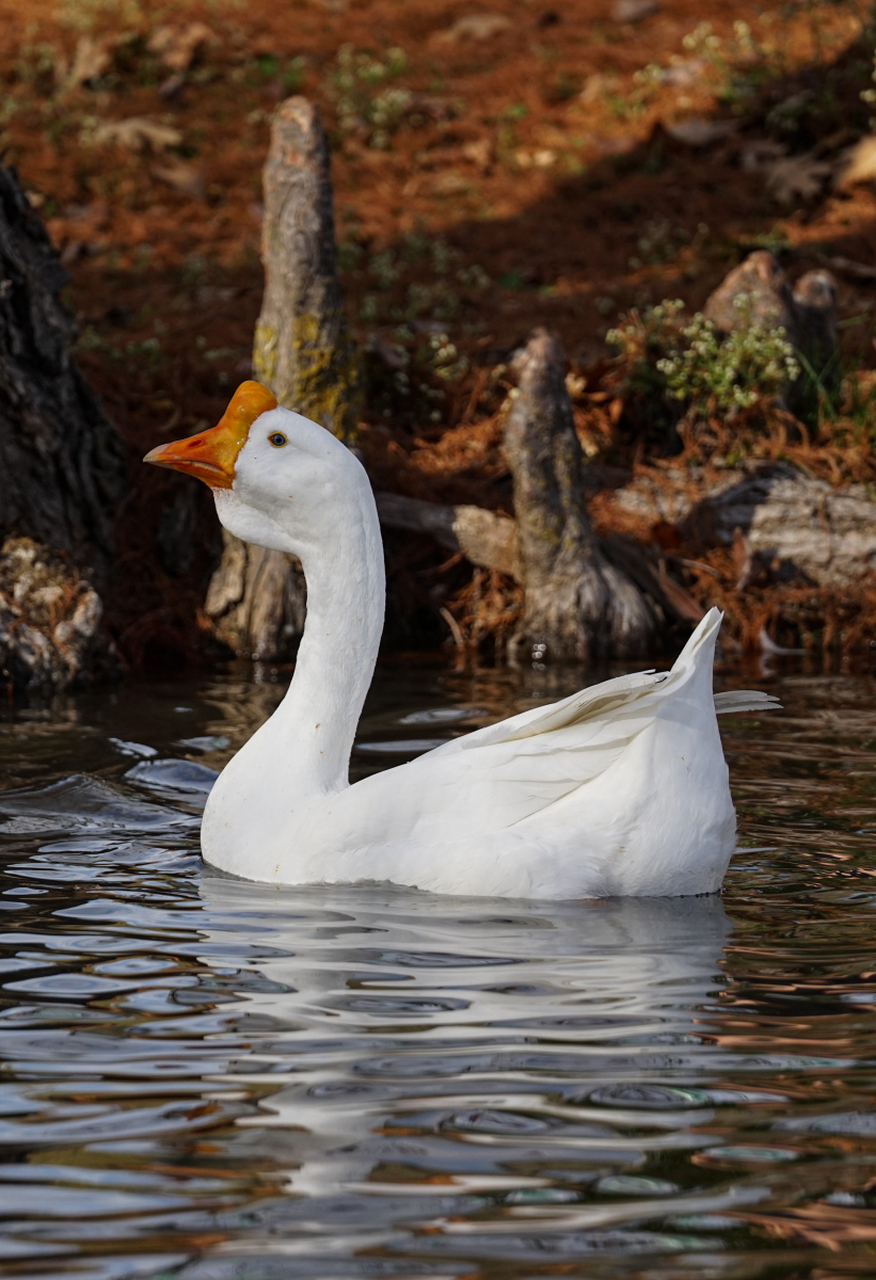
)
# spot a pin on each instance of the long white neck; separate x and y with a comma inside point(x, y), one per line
point(346, 593)
point(303, 750)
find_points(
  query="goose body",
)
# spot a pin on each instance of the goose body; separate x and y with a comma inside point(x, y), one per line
point(621, 789)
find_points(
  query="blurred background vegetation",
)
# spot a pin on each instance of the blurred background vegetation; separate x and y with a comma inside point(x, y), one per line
point(596, 167)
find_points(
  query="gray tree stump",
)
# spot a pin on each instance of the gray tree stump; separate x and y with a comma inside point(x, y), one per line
point(62, 467)
point(303, 352)
point(761, 283)
point(578, 607)
point(257, 599)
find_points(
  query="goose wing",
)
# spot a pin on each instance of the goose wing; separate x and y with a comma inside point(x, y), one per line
point(509, 771)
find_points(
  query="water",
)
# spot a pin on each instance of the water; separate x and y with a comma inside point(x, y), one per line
point(210, 1080)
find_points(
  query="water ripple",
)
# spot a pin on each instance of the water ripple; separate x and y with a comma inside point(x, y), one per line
point(221, 1081)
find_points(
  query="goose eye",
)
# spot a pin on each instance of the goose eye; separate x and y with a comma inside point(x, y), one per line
point(277, 439)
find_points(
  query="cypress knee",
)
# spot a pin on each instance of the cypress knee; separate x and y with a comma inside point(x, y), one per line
point(578, 606)
point(304, 354)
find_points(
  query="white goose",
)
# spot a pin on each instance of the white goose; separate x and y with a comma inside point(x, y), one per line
point(621, 789)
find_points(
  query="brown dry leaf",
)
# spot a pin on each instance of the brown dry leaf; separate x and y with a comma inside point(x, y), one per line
point(701, 133)
point(136, 133)
point(796, 178)
point(599, 84)
point(91, 59)
point(633, 10)
point(177, 46)
point(858, 164)
point(449, 183)
point(682, 72)
point(78, 224)
point(473, 26)
point(479, 152)
point(184, 178)
point(540, 158)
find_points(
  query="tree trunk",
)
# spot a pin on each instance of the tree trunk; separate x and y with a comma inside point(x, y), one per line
point(302, 351)
point(62, 467)
point(578, 606)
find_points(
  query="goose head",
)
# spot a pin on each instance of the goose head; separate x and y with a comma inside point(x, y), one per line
point(277, 478)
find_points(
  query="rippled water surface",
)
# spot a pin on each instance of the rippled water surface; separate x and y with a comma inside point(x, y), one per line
point(212, 1080)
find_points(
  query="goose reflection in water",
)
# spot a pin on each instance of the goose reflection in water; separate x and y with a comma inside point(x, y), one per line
point(428, 1045)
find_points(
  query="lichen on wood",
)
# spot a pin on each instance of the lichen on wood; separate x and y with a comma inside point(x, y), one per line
point(302, 348)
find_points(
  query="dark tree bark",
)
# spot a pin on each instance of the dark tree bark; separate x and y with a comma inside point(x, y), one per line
point(578, 606)
point(302, 351)
point(816, 338)
point(61, 459)
point(62, 467)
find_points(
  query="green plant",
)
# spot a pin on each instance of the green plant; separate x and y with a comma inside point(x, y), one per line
point(690, 362)
point(360, 107)
point(410, 374)
point(740, 63)
point(419, 278)
point(288, 72)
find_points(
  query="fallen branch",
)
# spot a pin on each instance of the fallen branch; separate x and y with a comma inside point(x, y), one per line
point(484, 538)
point(858, 270)
point(489, 540)
point(795, 524)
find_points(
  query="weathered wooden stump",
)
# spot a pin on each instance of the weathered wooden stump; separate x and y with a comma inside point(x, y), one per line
point(578, 606)
point(755, 292)
point(303, 352)
point(62, 467)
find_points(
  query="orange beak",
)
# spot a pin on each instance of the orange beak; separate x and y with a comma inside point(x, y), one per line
point(212, 455)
